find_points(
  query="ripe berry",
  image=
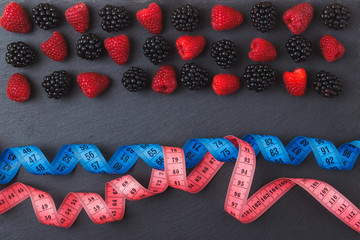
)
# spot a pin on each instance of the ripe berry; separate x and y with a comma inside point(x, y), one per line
point(224, 84)
point(225, 18)
point(19, 54)
point(194, 77)
point(331, 48)
point(89, 47)
point(298, 18)
point(57, 84)
point(164, 80)
point(263, 16)
point(259, 76)
point(151, 18)
point(327, 84)
point(92, 84)
point(295, 82)
point(156, 49)
point(336, 16)
point(118, 48)
point(134, 79)
point(114, 18)
point(78, 17)
point(299, 48)
point(46, 16)
point(15, 19)
point(224, 53)
point(185, 18)
point(55, 47)
point(190, 46)
point(262, 50)
point(18, 88)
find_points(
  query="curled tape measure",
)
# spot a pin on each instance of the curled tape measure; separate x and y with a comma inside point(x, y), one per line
point(326, 154)
point(90, 157)
point(207, 155)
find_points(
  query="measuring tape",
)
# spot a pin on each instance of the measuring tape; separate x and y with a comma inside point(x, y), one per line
point(326, 154)
point(90, 157)
point(213, 153)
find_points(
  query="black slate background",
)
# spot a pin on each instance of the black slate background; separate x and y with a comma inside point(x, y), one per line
point(118, 117)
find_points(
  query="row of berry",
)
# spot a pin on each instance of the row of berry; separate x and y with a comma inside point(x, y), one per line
point(184, 18)
point(156, 49)
point(257, 77)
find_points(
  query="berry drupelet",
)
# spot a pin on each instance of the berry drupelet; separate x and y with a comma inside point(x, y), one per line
point(224, 53)
point(134, 79)
point(156, 49)
point(185, 18)
point(45, 16)
point(263, 16)
point(299, 48)
point(335, 16)
point(57, 84)
point(194, 77)
point(89, 47)
point(114, 18)
point(19, 54)
point(259, 76)
point(327, 84)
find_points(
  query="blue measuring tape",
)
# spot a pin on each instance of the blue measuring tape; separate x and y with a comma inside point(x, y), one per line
point(90, 157)
point(295, 152)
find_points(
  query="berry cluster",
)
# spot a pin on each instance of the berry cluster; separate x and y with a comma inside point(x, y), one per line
point(57, 84)
point(156, 48)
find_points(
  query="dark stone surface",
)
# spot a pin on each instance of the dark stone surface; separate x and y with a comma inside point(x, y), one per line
point(118, 117)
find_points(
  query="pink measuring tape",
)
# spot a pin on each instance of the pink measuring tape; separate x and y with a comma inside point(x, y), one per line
point(124, 188)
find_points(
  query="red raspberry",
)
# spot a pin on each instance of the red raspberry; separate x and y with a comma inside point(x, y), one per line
point(262, 50)
point(118, 48)
point(78, 17)
point(295, 82)
point(151, 18)
point(225, 18)
point(55, 47)
point(190, 46)
point(224, 84)
point(331, 48)
point(15, 19)
point(164, 80)
point(18, 88)
point(298, 18)
point(92, 84)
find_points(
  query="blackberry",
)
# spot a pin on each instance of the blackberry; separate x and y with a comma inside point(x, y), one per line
point(224, 53)
point(19, 54)
point(57, 84)
point(185, 18)
point(89, 46)
point(263, 16)
point(335, 16)
point(45, 16)
point(299, 48)
point(134, 79)
point(327, 84)
point(194, 77)
point(259, 76)
point(156, 49)
point(114, 18)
